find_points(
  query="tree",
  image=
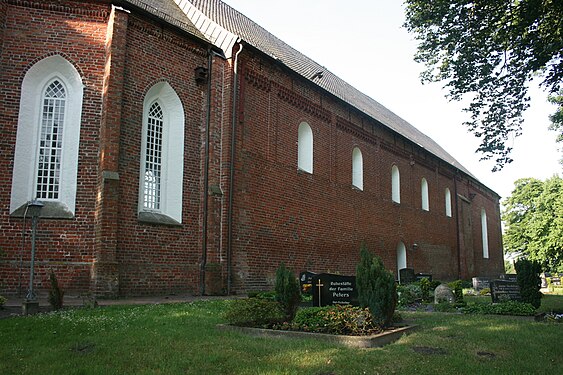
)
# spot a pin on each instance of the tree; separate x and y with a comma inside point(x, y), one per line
point(533, 219)
point(490, 50)
point(376, 288)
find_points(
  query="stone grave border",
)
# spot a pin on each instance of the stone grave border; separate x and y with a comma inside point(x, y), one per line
point(372, 341)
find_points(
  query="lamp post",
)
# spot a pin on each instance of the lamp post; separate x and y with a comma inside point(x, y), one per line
point(31, 305)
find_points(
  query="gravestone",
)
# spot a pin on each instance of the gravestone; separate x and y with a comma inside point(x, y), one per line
point(443, 293)
point(543, 281)
point(508, 276)
point(480, 283)
point(406, 276)
point(329, 289)
point(556, 280)
point(419, 276)
point(505, 290)
point(306, 280)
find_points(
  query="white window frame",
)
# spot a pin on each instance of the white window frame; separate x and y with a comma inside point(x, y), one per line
point(401, 258)
point(172, 163)
point(357, 168)
point(424, 194)
point(24, 179)
point(395, 184)
point(305, 148)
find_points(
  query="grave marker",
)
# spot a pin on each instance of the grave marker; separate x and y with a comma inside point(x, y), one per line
point(505, 290)
point(330, 289)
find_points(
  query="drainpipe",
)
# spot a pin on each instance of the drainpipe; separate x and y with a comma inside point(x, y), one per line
point(457, 227)
point(232, 172)
point(210, 54)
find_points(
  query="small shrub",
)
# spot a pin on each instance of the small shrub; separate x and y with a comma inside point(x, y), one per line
point(457, 289)
point(2, 301)
point(485, 292)
point(288, 291)
point(55, 293)
point(376, 288)
point(408, 294)
point(528, 277)
point(338, 320)
point(503, 308)
point(425, 289)
point(254, 312)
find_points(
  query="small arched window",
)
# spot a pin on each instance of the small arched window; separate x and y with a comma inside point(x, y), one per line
point(357, 169)
point(305, 148)
point(424, 194)
point(484, 234)
point(448, 201)
point(395, 184)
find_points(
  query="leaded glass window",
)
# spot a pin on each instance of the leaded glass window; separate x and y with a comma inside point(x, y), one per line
point(51, 141)
point(153, 158)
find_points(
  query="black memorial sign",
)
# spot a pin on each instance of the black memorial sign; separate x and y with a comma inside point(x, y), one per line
point(505, 290)
point(330, 289)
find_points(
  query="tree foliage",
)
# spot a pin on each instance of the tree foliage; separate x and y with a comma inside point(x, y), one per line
point(490, 50)
point(533, 218)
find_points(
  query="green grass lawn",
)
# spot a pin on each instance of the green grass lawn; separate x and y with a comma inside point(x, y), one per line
point(183, 339)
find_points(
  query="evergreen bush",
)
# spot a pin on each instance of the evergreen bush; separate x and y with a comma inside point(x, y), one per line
point(288, 291)
point(55, 293)
point(425, 289)
point(528, 277)
point(254, 312)
point(2, 302)
point(376, 288)
point(336, 320)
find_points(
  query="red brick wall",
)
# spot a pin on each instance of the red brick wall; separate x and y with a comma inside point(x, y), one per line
point(156, 258)
point(31, 32)
point(317, 221)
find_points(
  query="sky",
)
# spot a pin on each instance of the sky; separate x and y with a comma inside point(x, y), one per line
point(364, 43)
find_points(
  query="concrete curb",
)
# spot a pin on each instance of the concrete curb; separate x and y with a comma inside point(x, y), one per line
point(373, 341)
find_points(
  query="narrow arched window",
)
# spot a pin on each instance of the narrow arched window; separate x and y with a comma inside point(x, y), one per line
point(401, 258)
point(357, 169)
point(153, 158)
point(484, 233)
point(395, 184)
point(51, 141)
point(448, 201)
point(162, 157)
point(305, 148)
point(48, 136)
point(424, 194)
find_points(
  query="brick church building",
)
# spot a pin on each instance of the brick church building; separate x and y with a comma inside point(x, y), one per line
point(178, 147)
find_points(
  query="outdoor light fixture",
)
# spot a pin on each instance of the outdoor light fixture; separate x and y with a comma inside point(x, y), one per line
point(33, 210)
point(414, 247)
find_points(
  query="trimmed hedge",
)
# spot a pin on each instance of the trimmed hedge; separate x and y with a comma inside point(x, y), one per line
point(254, 312)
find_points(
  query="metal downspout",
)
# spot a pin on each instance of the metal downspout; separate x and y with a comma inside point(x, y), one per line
point(206, 177)
point(232, 173)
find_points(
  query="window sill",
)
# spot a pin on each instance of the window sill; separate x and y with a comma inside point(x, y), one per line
point(158, 218)
point(50, 210)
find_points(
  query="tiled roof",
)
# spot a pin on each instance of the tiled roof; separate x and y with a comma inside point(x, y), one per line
point(255, 35)
point(168, 11)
